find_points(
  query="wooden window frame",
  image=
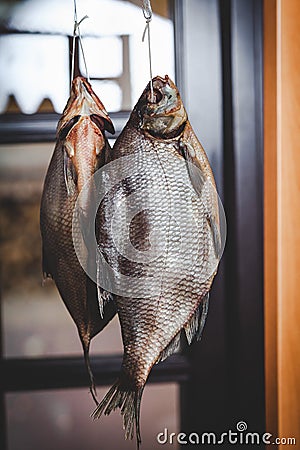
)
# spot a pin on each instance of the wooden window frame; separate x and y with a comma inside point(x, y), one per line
point(281, 231)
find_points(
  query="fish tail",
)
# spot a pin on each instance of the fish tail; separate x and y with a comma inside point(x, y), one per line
point(128, 399)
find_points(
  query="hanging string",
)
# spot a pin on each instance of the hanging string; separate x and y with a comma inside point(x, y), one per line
point(147, 11)
point(76, 33)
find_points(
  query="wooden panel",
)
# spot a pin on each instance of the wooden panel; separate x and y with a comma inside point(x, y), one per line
point(289, 218)
point(282, 217)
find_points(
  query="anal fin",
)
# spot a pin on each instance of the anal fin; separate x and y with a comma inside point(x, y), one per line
point(202, 319)
point(194, 328)
point(191, 328)
point(170, 348)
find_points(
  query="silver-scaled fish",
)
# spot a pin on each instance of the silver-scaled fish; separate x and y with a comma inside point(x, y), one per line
point(81, 148)
point(160, 235)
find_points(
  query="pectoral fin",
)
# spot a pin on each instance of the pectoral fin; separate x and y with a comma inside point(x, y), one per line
point(198, 178)
point(215, 230)
point(196, 174)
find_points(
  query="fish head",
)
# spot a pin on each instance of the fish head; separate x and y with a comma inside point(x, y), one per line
point(81, 130)
point(84, 102)
point(162, 113)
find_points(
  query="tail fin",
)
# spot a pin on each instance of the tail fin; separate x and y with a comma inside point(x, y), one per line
point(122, 396)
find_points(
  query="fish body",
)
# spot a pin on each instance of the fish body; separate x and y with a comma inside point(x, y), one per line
point(178, 203)
point(80, 150)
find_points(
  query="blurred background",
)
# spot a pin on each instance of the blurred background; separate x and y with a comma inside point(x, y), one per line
point(218, 52)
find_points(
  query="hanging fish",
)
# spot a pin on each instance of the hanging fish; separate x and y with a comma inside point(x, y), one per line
point(81, 148)
point(172, 292)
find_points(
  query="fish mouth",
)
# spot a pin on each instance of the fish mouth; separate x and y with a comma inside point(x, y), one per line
point(164, 98)
point(162, 110)
point(81, 131)
point(83, 102)
point(164, 94)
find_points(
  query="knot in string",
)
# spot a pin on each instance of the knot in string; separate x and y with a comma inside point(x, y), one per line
point(76, 30)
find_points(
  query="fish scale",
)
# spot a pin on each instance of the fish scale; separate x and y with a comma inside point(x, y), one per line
point(172, 180)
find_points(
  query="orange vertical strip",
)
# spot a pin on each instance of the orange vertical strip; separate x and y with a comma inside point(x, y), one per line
point(282, 217)
point(270, 214)
point(289, 219)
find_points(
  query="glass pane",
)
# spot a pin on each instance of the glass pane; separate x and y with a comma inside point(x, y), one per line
point(110, 94)
point(61, 420)
point(35, 320)
point(36, 323)
point(103, 56)
point(33, 68)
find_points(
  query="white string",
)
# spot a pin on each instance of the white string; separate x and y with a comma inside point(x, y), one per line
point(147, 11)
point(76, 33)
